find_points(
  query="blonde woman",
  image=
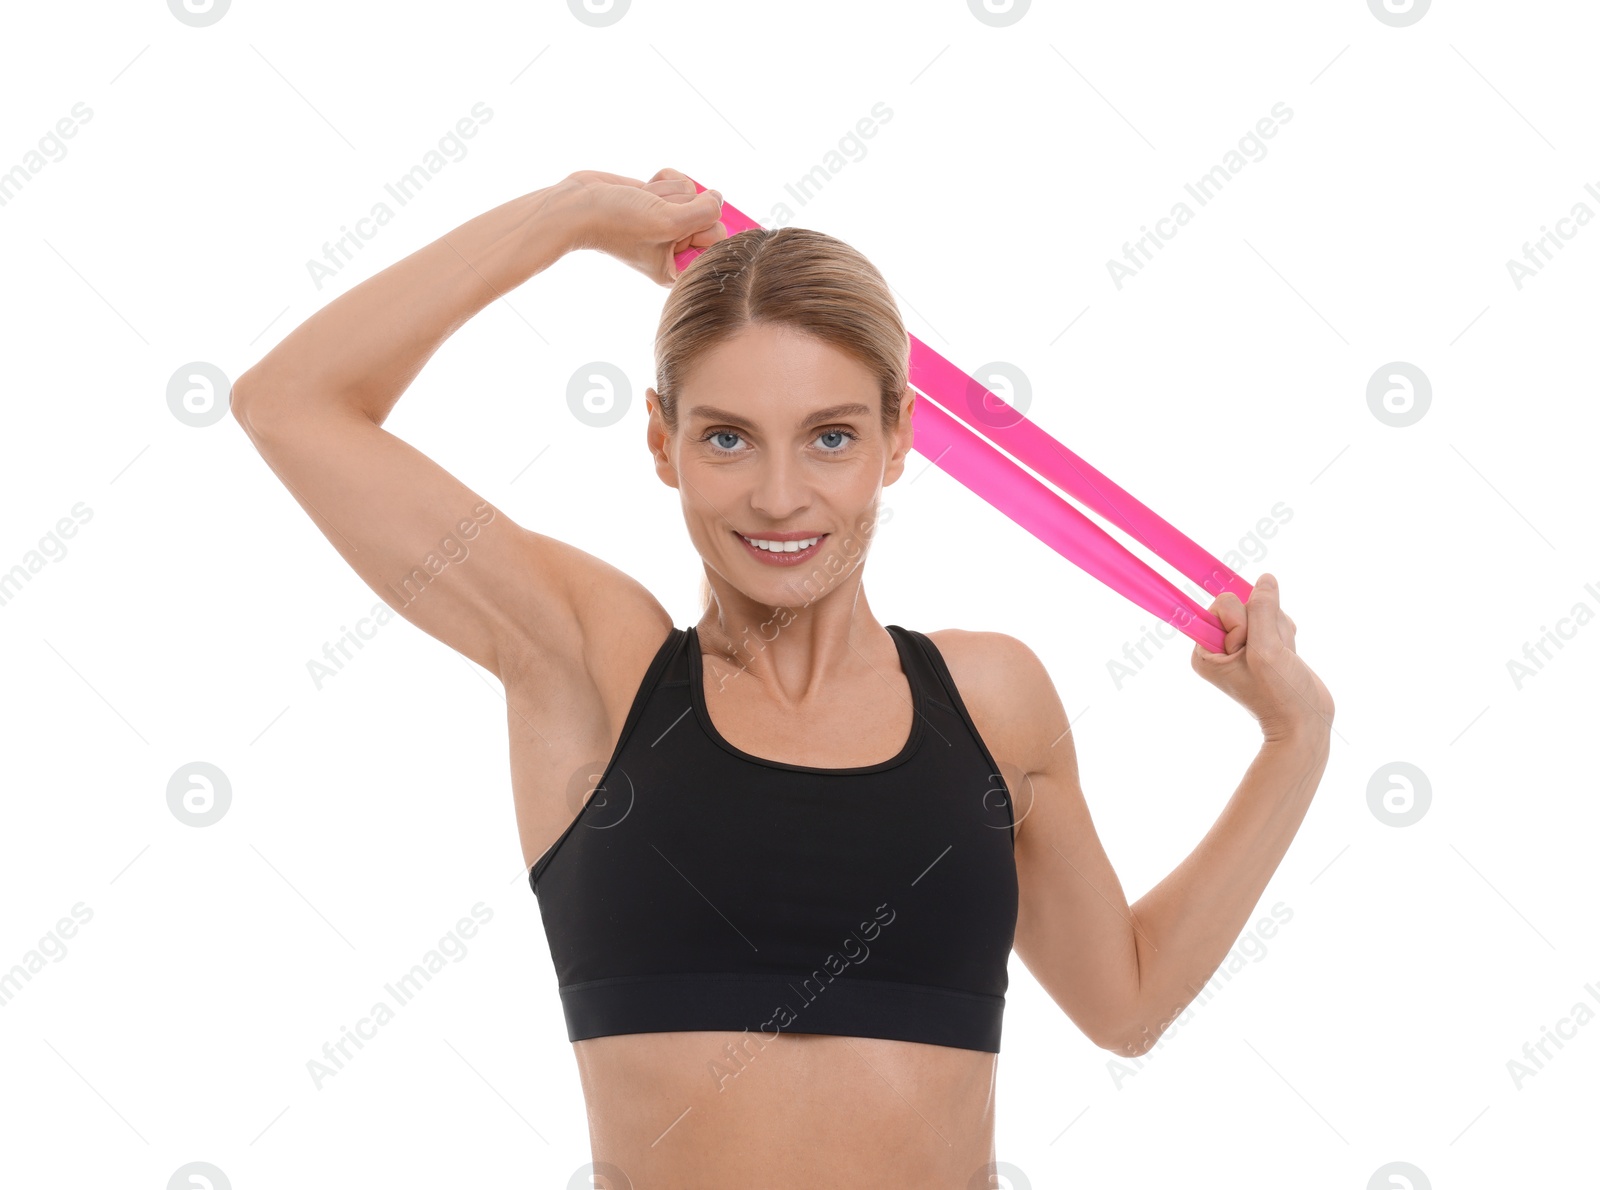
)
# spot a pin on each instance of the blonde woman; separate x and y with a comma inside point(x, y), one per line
point(789, 901)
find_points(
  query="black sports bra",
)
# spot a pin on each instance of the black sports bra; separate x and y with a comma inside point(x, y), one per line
point(703, 888)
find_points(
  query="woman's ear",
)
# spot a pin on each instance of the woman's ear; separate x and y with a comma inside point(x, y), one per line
point(657, 439)
point(902, 438)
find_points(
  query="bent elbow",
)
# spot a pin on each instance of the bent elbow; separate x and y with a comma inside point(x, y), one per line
point(238, 405)
point(1132, 1042)
point(257, 402)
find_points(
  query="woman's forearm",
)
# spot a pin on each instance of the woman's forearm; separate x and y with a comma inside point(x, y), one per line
point(1189, 921)
point(363, 349)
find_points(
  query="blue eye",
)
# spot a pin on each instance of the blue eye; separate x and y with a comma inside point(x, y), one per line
point(835, 432)
point(839, 432)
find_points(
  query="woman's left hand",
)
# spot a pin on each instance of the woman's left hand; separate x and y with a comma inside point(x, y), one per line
point(1260, 669)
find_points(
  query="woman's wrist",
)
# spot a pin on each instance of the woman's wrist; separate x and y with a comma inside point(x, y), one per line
point(1307, 734)
point(554, 222)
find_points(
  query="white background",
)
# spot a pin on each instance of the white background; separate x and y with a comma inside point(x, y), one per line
point(1227, 376)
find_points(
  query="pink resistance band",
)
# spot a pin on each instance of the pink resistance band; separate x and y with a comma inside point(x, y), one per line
point(977, 465)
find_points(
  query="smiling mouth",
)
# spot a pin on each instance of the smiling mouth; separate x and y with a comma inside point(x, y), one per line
point(782, 553)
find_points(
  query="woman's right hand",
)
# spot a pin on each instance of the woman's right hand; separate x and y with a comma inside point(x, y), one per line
point(642, 224)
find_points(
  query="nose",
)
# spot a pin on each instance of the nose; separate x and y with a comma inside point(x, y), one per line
point(781, 489)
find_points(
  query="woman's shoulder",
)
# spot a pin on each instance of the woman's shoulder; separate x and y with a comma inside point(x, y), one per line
point(988, 658)
point(1000, 679)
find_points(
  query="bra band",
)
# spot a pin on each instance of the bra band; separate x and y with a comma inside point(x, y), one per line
point(1003, 483)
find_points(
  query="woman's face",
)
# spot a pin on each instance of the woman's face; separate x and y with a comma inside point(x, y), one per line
point(779, 433)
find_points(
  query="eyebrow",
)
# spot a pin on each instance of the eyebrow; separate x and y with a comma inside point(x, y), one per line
point(831, 413)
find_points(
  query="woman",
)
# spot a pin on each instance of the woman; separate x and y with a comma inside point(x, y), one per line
point(781, 943)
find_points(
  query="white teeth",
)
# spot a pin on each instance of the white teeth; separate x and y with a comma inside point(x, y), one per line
point(782, 547)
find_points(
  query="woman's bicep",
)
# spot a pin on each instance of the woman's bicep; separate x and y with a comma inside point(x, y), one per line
point(430, 547)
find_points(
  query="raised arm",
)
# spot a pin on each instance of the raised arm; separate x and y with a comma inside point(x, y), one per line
point(429, 546)
point(1124, 973)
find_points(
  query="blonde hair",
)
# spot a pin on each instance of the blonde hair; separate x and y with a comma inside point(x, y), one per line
point(788, 276)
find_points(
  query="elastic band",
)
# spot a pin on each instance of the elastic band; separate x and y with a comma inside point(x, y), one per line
point(951, 394)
